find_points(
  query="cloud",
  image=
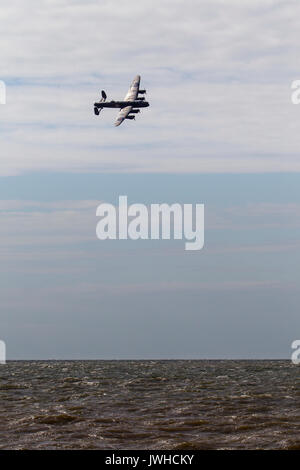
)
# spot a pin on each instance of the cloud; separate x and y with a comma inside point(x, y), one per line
point(47, 224)
point(218, 75)
point(66, 231)
point(289, 210)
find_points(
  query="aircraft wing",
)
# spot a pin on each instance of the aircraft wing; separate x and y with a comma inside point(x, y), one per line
point(130, 96)
point(122, 115)
point(133, 90)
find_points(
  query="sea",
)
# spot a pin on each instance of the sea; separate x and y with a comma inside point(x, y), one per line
point(159, 404)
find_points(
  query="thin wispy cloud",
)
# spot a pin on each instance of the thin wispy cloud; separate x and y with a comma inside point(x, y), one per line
point(218, 75)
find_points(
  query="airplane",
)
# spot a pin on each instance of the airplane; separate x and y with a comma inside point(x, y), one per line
point(129, 106)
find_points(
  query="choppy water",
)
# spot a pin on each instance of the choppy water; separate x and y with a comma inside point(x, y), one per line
point(149, 405)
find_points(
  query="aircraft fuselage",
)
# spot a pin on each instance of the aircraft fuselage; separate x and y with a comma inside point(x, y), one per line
point(122, 104)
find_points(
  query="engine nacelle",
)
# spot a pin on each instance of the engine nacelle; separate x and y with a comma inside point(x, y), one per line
point(141, 98)
point(130, 117)
point(142, 92)
point(135, 111)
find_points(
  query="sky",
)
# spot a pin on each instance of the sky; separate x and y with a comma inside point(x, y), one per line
point(220, 130)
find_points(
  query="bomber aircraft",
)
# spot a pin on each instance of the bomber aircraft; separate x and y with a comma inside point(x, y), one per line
point(129, 106)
